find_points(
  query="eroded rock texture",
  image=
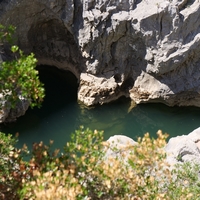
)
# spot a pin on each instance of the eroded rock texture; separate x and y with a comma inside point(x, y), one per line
point(147, 50)
point(184, 148)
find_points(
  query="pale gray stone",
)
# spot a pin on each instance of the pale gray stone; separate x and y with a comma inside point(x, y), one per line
point(147, 50)
point(119, 147)
point(184, 148)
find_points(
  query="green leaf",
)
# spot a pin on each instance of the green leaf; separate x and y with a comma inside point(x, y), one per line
point(14, 48)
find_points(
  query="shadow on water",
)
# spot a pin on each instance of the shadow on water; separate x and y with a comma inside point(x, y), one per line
point(61, 115)
point(47, 122)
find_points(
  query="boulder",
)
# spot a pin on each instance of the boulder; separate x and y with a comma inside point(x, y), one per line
point(119, 146)
point(9, 114)
point(89, 85)
point(146, 50)
point(185, 148)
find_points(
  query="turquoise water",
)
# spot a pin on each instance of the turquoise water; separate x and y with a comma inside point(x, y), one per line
point(60, 115)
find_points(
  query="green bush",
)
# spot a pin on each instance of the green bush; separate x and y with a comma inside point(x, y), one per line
point(18, 77)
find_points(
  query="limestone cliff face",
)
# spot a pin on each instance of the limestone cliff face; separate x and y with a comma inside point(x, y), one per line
point(147, 50)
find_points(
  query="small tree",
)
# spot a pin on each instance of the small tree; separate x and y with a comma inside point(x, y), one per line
point(18, 77)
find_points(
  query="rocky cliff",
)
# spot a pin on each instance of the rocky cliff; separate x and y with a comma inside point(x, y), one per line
point(147, 50)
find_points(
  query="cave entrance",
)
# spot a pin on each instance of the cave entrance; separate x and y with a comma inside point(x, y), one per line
point(60, 87)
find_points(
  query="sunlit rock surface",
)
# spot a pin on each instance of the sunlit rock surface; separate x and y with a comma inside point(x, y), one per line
point(120, 146)
point(184, 148)
point(147, 50)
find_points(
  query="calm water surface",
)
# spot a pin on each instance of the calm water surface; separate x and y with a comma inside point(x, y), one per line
point(60, 115)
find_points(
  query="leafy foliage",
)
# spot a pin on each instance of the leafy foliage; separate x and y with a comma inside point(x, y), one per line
point(6, 33)
point(18, 77)
point(83, 171)
point(11, 165)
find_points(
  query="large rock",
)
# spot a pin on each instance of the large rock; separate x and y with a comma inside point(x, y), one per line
point(9, 114)
point(146, 50)
point(185, 148)
point(119, 147)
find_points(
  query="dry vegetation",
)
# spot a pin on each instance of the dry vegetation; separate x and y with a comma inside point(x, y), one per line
point(83, 172)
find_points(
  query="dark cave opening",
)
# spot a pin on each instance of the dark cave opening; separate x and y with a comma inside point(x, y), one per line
point(60, 86)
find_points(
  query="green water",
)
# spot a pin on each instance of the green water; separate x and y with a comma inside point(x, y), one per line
point(60, 115)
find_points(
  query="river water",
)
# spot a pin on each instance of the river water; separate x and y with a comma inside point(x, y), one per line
point(60, 115)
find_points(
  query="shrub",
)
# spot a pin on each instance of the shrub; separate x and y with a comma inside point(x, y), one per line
point(185, 183)
point(18, 78)
point(83, 171)
point(11, 167)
